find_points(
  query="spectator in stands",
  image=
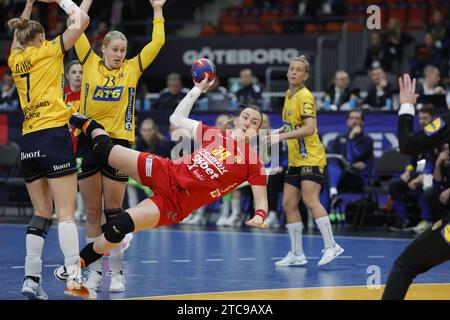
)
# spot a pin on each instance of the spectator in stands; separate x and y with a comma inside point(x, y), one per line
point(415, 179)
point(9, 98)
point(378, 54)
point(216, 98)
point(350, 158)
point(438, 199)
point(380, 96)
point(425, 54)
point(250, 92)
point(430, 84)
point(171, 96)
point(396, 40)
point(440, 32)
point(340, 93)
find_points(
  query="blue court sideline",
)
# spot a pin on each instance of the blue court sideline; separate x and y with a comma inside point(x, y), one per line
point(181, 261)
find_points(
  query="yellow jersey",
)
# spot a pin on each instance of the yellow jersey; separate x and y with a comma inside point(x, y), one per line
point(304, 151)
point(39, 77)
point(108, 96)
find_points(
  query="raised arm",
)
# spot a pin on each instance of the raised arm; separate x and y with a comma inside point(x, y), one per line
point(85, 6)
point(411, 142)
point(180, 116)
point(26, 14)
point(151, 50)
point(78, 22)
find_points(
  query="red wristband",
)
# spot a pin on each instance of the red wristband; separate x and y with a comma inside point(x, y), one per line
point(262, 213)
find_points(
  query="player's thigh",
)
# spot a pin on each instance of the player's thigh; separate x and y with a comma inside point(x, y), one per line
point(41, 197)
point(126, 160)
point(145, 215)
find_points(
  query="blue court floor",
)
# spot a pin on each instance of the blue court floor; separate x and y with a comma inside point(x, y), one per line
point(169, 261)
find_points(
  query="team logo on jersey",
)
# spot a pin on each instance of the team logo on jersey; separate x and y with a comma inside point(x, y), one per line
point(215, 194)
point(107, 94)
point(434, 126)
point(308, 108)
point(446, 233)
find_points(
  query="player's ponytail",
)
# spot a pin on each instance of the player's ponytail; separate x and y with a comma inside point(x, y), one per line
point(26, 29)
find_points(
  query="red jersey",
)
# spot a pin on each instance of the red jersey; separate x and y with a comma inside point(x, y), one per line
point(217, 167)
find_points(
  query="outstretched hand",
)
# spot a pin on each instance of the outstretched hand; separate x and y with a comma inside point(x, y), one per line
point(256, 221)
point(407, 90)
point(204, 85)
point(157, 4)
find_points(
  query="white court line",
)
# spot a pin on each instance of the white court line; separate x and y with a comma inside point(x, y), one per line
point(376, 257)
point(213, 260)
point(276, 258)
point(18, 267)
point(344, 257)
point(312, 258)
point(246, 259)
point(181, 261)
point(149, 261)
point(51, 265)
point(266, 234)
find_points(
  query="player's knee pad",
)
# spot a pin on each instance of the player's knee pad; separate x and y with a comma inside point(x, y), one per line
point(111, 213)
point(39, 226)
point(102, 147)
point(118, 227)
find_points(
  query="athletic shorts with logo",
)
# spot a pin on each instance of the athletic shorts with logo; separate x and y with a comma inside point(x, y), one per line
point(47, 153)
point(154, 172)
point(88, 163)
point(295, 175)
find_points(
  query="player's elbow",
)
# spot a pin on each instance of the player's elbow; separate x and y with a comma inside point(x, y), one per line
point(174, 120)
point(84, 20)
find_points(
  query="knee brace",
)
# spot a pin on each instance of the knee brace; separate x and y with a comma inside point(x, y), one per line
point(102, 147)
point(118, 227)
point(110, 214)
point(85, 124)
point(39, 226)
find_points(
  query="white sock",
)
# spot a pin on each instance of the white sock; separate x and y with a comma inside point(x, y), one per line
point(116, 259)
point(235, 207)
point(68, 241)
point(96, 265)
point(225, 208)
point(33, 262)
point(295, 233)
point(201, 212)
point(333, 191)
point(324, 226)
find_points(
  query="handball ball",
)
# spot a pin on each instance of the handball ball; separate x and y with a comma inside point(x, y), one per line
point(201, 67)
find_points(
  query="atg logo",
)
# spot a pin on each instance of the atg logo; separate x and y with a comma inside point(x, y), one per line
point(107, 94)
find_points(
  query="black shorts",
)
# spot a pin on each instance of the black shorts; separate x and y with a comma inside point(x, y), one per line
point(47, 153)
point(295, 175)
point(89, 164)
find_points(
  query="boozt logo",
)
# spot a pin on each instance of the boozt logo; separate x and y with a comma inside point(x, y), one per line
point(107, 94)
point(30, 155)
point(62, 166)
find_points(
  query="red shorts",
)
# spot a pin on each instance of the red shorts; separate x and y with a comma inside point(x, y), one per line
point(154, 172)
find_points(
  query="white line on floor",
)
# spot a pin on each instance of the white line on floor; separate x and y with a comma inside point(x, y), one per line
point(149, 261)
point(344, 257)
point(18, 267)
point(213, 260)
point(246, 259)
point(376, 257)
point(51, 265)
point(181, 260)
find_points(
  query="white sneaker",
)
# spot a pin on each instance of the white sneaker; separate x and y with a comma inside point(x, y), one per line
point(222, 220)
point(187, 220)
point(292, 260)
point(330, 254)
point(422, 226)
point(196, 220)
point(117, 282)
point(272, 220)
point(94, 280)
point(33, 290)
